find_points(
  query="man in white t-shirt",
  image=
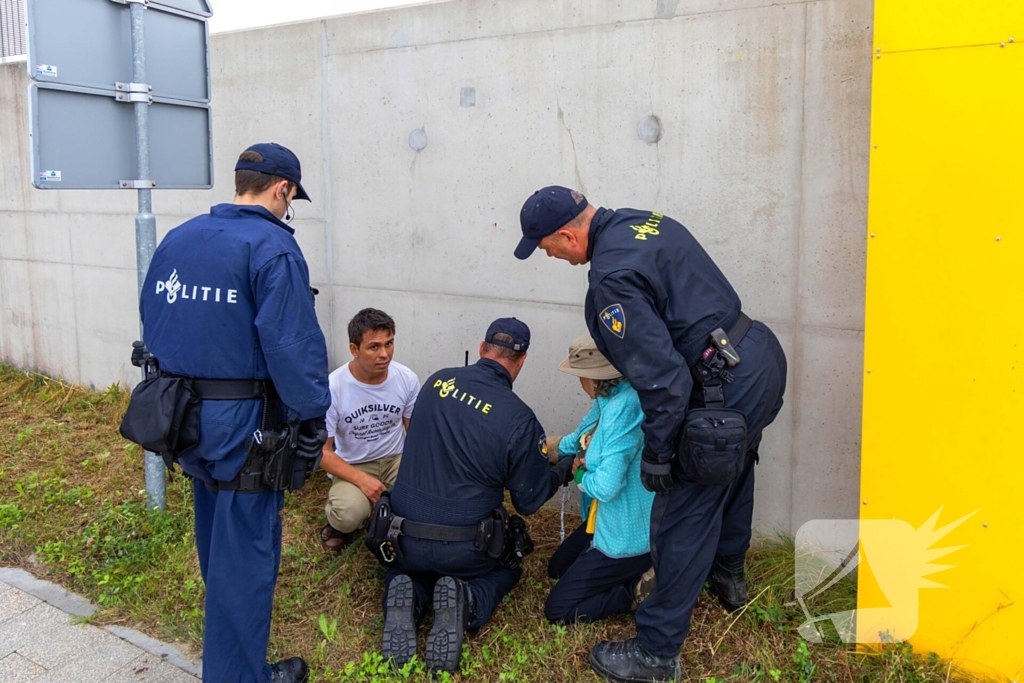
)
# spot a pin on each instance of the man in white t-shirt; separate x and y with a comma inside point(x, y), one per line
point(372, 399)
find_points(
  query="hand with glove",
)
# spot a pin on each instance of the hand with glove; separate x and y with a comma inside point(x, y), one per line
point(311, 439)
point(656, 477)
point(141, 355)
point(563, 470)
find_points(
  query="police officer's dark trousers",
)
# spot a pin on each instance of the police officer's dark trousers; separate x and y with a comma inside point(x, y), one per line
point(694, 523)
point(238, 538)
point(426, 561)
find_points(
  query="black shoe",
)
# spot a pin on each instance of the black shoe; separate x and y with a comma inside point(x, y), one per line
point(444, 644)
point(293, 670)
point(727, 582)
point(629, 662)
point(399, 643)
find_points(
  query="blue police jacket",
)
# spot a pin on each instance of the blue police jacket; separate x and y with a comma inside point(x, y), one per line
point(470, 438)
point(654, 297)
point(227, 297)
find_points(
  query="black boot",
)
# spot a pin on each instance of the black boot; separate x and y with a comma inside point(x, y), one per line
point(451, 613)
point(399, 642)
point(293, 670)
point(726, 581)
point(629, 662)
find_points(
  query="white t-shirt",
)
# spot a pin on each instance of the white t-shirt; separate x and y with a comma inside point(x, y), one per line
point(366, 419)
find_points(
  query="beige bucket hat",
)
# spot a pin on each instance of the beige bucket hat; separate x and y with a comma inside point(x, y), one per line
point(586, 361)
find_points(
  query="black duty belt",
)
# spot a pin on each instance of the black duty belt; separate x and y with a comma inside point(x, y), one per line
point(439, 532)
point(232, 389)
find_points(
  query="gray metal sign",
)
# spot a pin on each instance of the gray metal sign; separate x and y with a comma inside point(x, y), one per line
point(88, 43)
point(82, 138)
point(200, 7)
point(120, 100)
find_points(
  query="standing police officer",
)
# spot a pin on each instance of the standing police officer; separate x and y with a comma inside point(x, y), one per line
point(665, 315)
point(227, 301)
point(470, 439)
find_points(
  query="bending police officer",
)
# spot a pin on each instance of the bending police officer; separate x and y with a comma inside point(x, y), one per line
point(227, 298)
point(470, 439)
point(654, 301)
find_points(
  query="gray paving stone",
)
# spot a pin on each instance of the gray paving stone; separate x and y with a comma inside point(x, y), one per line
point(14, 669)
point(13, 632)
point(150, 669)
point(41, 641)
point(166, 652)
point(14, 602)
point(47, 592)
point(75, 675)
point(58, 643)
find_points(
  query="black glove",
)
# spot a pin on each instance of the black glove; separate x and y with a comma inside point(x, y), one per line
point(311, 439)
point(140, 354)
point(563, 470)
point(656, 477)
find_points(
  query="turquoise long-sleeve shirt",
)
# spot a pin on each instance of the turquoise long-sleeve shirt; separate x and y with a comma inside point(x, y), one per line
point(623, 525)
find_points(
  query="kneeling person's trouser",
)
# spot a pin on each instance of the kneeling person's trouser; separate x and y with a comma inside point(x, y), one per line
point(426, 561)
point(694, 523)
point(591, 585)
point(347, 507)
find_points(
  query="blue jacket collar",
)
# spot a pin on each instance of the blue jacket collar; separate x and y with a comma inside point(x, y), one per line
point(597, 224)
point(245, 210)
point(497, 368)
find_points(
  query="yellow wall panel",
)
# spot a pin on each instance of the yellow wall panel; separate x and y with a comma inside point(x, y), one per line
point(944, 339)
point(923, 24)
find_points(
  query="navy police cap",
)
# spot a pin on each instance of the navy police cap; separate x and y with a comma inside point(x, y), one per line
point(546, 211)
point(277, 161)
point(516, 329)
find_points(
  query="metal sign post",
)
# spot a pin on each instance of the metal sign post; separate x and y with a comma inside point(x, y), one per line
point(145, 221)
point(78, 60)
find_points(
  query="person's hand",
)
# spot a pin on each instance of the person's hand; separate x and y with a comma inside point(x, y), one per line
point(563, 470)
point(311, 439)
point(577, 463)
point(371, 487)
point(656, 477)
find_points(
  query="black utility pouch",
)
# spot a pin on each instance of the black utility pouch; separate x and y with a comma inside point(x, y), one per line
point(497, 538)
point(378, 541)
point(712, 446)
point(163, 417)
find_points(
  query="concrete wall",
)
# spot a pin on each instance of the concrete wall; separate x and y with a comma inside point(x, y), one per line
point(764, 106)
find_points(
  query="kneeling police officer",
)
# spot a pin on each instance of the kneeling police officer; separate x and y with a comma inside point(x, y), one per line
point(446, 530)
point(228, 317)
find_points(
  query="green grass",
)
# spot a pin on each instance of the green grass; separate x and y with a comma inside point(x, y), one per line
point(72, 510)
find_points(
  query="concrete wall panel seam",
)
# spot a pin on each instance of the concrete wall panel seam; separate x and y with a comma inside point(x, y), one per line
point(654, 18)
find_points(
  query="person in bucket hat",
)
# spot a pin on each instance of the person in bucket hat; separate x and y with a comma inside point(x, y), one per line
point(604, 566)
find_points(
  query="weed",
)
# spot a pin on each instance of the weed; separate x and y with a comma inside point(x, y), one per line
point(10, 515)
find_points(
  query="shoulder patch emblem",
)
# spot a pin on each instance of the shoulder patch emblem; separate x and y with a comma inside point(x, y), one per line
point(614, 318)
